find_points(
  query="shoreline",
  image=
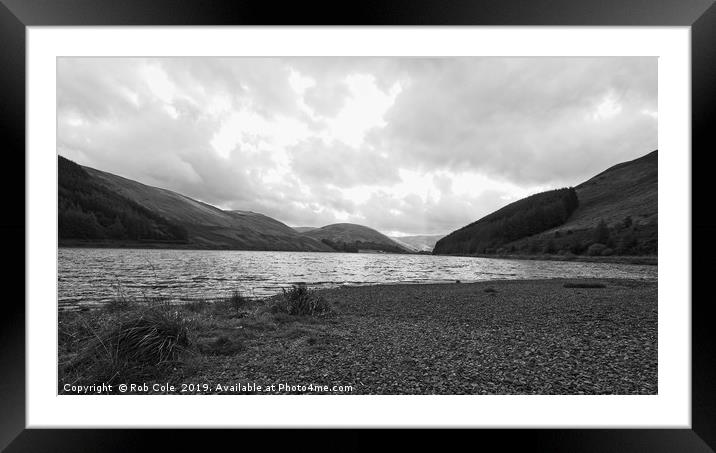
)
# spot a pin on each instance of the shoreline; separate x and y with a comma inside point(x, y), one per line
point(648, 260)
point(99, 304)
point(493, 337)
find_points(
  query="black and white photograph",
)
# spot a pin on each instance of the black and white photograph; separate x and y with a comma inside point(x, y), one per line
point(453, 225)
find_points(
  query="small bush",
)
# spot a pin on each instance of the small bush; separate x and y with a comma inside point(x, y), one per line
point(238, 302)
point(301, 301)
point(607, 252)
point(235, 304)
point(596, 249)
point(490, 290)
point(601, 232)
point(577, 247)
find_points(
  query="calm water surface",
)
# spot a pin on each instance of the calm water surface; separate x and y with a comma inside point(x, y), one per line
point(95, 276)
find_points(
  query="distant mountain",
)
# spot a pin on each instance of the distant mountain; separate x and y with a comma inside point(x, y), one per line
point(616, 213)
point(304, 229)
point(166, 216)
point(349, 237)
point(421, 243)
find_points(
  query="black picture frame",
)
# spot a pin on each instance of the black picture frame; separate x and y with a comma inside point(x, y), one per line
point(16, 15)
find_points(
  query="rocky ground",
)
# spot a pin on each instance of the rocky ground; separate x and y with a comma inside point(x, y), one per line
point(507, 337)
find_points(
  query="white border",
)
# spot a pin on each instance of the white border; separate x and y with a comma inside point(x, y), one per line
point(670, 408)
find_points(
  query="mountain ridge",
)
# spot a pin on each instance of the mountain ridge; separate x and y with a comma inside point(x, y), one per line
point(207, 227)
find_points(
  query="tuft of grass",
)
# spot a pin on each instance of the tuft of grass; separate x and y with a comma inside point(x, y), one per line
point(139, 343)
point(301, 301)
point(584, 285)
point(141, 340)
point(236, 304)
point(151, 336)
point(119, 304)
point(197, 306)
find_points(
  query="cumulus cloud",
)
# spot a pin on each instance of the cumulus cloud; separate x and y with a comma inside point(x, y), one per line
point(404, 145)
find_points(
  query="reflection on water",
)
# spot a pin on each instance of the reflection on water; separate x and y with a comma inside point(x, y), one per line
point(90, 276)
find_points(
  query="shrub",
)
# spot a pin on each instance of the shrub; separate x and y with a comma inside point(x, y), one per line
point(607, 252)
point(576, 247)
point(235, 304)
point(301, 301)
point(596, 249)
point(601, 232)
point(627, 243)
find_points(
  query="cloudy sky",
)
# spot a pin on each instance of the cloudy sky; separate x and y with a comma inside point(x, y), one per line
point(403, 145)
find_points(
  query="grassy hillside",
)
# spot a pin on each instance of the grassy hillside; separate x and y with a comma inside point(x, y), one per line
point(88, 210)
point(304, 229)
point(201, 225)
point(622, 201)
point(616, 214)
point(522, 218)
point(349, 237)
point(420, 243)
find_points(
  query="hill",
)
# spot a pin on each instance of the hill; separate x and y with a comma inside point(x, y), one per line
point(522, 218)
point(616, 214)
point(420, 243)
point(88, 210)
point(349, 237)
point(194, 224)
point(304, 229)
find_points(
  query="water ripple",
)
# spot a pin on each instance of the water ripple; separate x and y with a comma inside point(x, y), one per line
point(91, 276)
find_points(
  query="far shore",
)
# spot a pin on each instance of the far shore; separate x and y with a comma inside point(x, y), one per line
point(651, 260)
point(557, 336)
point(615, 259)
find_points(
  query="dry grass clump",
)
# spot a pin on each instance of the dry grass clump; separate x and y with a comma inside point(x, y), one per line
point(112, 346)
point(300, 301)
point(152, 336)
point(237, 304)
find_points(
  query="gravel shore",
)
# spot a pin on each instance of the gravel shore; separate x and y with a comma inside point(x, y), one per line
point(500, 337)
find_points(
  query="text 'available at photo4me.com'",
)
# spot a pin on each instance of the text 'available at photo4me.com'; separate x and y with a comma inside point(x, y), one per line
point(205, 388)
